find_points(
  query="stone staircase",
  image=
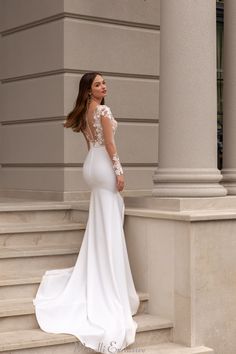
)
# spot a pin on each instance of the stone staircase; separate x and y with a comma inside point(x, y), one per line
point(40, 236)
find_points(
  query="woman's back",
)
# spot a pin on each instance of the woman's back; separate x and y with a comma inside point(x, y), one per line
point(94, 131)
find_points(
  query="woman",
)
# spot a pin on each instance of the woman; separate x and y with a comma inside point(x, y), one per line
point(95, 299)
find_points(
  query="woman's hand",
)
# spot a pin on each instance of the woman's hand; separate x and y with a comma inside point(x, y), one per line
point(120, 182)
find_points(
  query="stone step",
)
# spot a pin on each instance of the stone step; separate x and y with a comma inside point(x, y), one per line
point(37, 257)
point(40, 234)
point(151, 330)
point(20, 313)
point(78, 348)
point(46, 212)
point(39, 227)
point(17, 286)
point(34, 251)
point(20, 285)
point(79, 211)
point(173, 348)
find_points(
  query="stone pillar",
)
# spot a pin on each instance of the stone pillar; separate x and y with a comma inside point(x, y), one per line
point(188, 123)
point(229, 119)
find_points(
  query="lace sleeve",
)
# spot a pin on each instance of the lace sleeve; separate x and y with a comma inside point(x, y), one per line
point(117, 165)
point(108, 124)
point(105, 111)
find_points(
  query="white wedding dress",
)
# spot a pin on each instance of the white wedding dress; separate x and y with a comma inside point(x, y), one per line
point(95, 299)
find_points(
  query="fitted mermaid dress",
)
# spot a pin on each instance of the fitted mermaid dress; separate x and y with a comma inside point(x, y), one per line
point(96, 298)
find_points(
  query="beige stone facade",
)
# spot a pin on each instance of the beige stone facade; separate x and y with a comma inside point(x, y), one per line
point(180, 209)
point(47, 46)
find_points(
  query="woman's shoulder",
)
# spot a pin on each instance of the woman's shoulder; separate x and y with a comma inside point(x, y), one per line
point(104, 110)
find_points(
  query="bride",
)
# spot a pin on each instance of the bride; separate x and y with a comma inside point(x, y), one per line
point(95, 299)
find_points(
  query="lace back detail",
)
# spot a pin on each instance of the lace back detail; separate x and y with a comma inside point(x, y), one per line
point(100, 111)
point(98, 139)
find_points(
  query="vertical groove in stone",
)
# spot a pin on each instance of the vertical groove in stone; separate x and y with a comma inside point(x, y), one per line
point(229, 93)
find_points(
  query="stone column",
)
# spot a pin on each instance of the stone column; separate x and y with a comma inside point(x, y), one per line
point(229, 119)
point(188, 123)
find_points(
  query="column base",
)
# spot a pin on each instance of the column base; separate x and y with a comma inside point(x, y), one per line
point(229, 180)
point(173, 182)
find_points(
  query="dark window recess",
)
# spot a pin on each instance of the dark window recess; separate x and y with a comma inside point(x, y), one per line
point(220, 38)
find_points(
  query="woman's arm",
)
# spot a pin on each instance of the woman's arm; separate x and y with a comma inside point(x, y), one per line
point(110, 145)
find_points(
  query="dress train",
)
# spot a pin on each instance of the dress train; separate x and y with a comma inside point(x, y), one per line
point(95, 299)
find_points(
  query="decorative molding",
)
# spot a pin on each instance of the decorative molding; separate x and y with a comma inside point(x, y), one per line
point(137, 120)
point(64, 165)
point(62, 118)
point(62, 196)
point(40, 165)
point(66, 15)
point(77, 72)
point(32, 120)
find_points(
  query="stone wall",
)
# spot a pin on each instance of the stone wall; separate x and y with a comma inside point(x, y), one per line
point(47, 46)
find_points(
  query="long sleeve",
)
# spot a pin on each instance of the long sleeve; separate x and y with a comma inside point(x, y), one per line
point(109, 141)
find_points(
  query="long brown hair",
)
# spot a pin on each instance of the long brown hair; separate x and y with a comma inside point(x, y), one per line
point(76, 118)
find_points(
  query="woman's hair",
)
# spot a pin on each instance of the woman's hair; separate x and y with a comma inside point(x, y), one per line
point(76, 118)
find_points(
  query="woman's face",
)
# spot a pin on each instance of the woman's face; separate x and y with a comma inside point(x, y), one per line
point(99, 89)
